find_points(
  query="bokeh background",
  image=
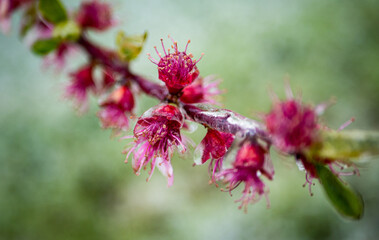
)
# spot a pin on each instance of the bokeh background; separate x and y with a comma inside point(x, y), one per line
point(63, 177)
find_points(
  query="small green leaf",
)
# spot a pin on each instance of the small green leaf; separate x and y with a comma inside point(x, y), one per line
point(344, 199)
point(45, 46)
point(68, 30)
point(129, 47)
point(53, 11)
point(346, 145)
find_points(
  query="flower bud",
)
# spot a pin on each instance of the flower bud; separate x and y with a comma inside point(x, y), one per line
point(81, 82)
point(116, 108)
point(177, 70)
point(251, 161)
point(202, 90)
point(214, 146)
point(95, 14)
point(292, 125)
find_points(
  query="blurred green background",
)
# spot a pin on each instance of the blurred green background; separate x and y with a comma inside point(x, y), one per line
point(63, 177)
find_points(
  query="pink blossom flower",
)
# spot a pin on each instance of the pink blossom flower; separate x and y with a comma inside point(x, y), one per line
point(214, 146)
point(7, 7)
point(116, 108)
point(58, 58)
point(202, 90)
point(157, 133)
point(294, 129)
point(177, 70)
point(96, 15)
point(251, 161)
point(81, 82)
point(292, 125)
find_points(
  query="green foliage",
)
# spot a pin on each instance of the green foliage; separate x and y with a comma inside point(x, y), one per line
point(68, 30)
point(53, 11)
point(348, 145)
point(129, 47)
point(344, 199)
point(45, 46)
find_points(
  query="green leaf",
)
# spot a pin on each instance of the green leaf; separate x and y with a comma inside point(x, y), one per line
point(344, 199)
point(347, 145)
point(53, 11)
point(68, 30)
point(45, 46)
point(129, 47)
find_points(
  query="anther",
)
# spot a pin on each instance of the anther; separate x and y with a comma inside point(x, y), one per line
point(188, 42)
point(202, 54)
point(164, 49)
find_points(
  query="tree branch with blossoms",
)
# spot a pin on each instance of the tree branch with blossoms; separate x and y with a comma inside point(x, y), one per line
point(236, 148)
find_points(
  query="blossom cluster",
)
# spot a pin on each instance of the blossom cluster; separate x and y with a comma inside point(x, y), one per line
point(234, 156)
point(157, 131)
point(295, 129)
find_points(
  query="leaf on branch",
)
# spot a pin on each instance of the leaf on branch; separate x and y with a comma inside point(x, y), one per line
point(129, 47)
point(68, 30)
point(53, 11)
point(345, 200)
point(348, 145)
point(45, 46)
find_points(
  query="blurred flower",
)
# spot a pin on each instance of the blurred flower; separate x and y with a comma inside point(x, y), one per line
point(251, 161)
point(292, 125)
point(7, 7)
point(58, 58)
point(214, 146)
point(96, 15)
point(202, 90)
point(295, 130)
point(40, 30)
point(116, 108)
point(177, 70)
point(157, 132)
point(81, 82)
